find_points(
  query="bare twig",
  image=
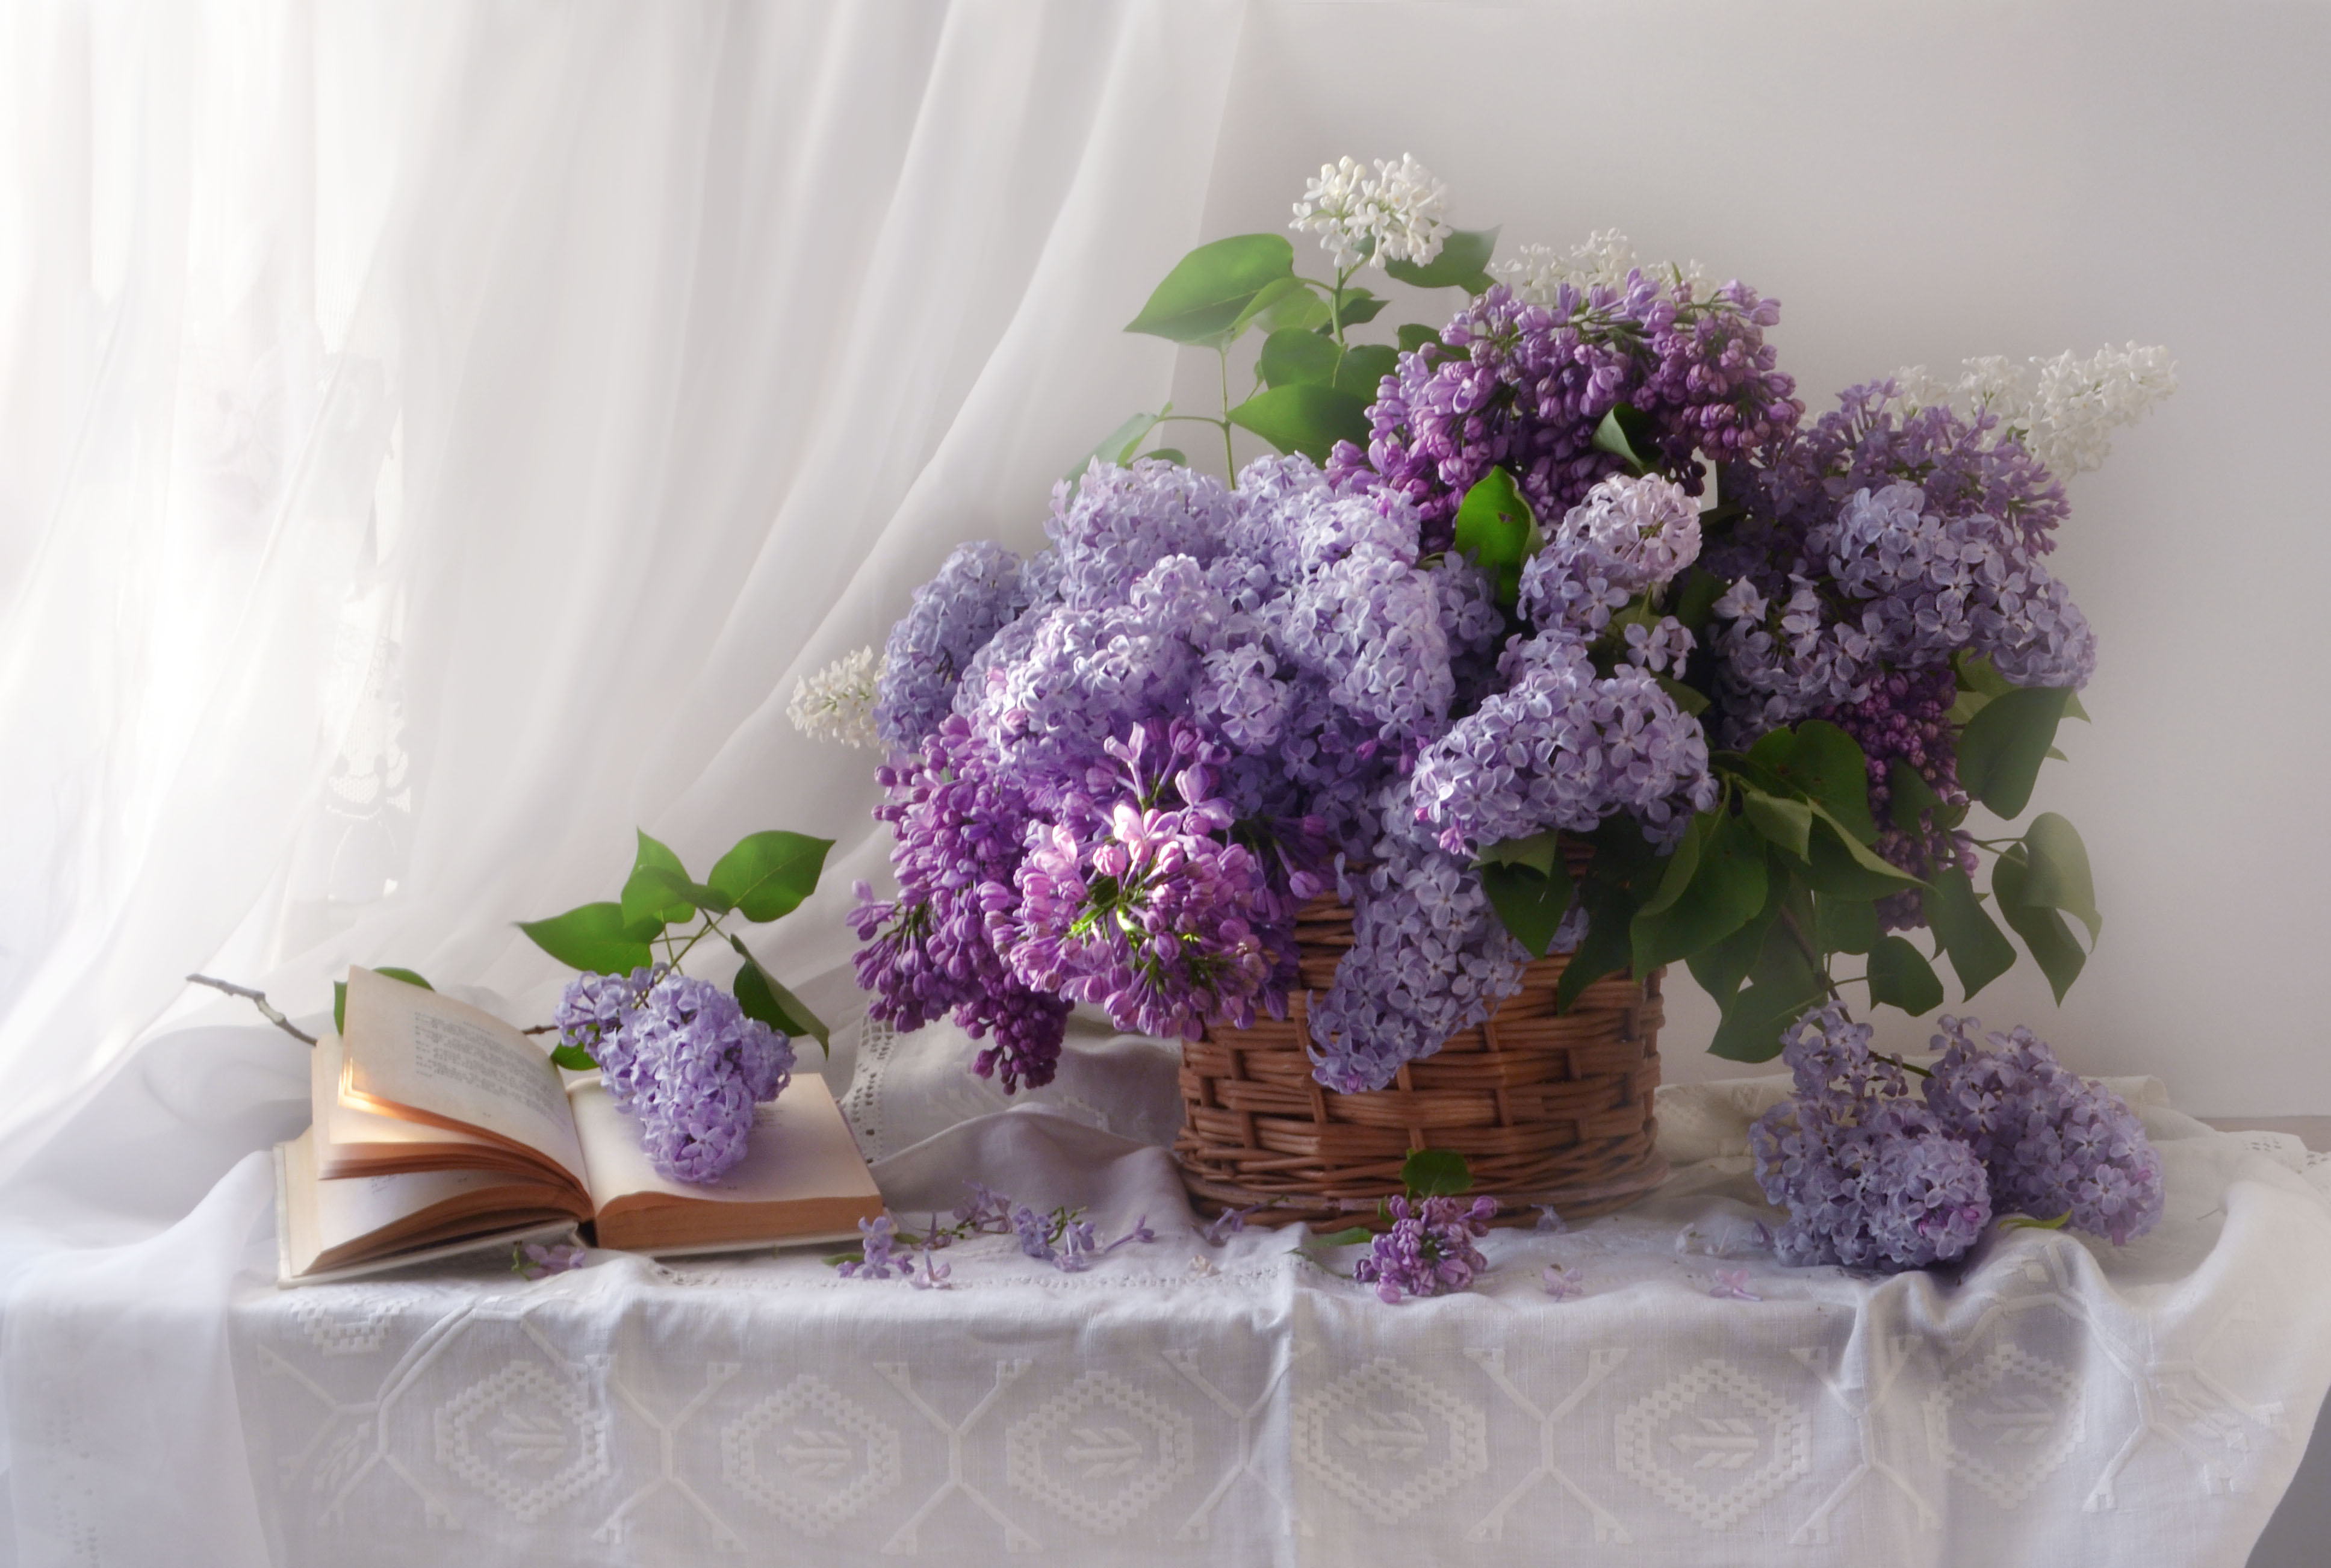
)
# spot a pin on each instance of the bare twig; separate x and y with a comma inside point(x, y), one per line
point(258, 999)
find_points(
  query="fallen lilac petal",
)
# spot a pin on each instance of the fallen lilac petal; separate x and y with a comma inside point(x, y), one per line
point(1732, 1285)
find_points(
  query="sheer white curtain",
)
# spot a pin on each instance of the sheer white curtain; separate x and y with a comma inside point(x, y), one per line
point(433, 439)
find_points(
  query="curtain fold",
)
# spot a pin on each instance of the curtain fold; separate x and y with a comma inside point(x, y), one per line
point(494, 411)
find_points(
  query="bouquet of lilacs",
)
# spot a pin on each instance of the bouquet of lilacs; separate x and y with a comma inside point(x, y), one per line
point(684, 1058)
point(1875, 1177)
point(1567, 570)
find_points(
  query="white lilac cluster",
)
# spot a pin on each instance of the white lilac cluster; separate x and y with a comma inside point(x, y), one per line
point(2063, 411)
point(1537, 273)
point(679, 1056)
point(1392, 214)
point(837, 703)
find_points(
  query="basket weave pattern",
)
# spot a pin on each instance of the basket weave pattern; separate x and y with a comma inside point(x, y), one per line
point(1547, 1109)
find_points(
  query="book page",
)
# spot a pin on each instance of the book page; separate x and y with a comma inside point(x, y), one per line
point(800, 1175)
point(327, 1223)
point(414, 1053)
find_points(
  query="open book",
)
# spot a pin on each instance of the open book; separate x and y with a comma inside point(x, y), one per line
point(439, 1127)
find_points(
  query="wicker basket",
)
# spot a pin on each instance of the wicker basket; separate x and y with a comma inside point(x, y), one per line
point(1546, 1109)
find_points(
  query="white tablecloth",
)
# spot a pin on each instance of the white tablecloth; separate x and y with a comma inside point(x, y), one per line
point(2056, 1400)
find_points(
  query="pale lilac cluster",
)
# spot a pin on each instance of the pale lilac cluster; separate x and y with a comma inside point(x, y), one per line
point(1870, 1178)
point(1634, 533)
point(1524, 386)
point(1429, 1250)
point(1430, 958)
point(1873, 1178)
point(679, 1055)
point(2054, 1143)
point(1563, 748)
point(978, 591)
point(1148, 911)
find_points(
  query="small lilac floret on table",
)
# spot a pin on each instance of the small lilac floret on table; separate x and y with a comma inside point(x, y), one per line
point(1429, 1250)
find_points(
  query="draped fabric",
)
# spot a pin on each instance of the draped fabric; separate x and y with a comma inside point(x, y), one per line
point(435, 438)
point(454, 430)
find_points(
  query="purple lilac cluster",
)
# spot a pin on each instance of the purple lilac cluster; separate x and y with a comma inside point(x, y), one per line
point(961, 821)
point(1524, 387)
point(979, 590)
point(1871, 1178)
point(1208, 696)
point(1429, 1250)
point(1873, 550)
point(2054, 1143)
point(679, 1056)
point(1149, 911)
point(1430, 958)
point(1563, 748)
point(1904, 719)
point(1875, 1179)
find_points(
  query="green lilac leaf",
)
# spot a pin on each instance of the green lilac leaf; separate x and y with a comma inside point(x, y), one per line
point(1844, 868)
point(1541, 852)
point(1690, 699)
point(1495, 524)
point(1305, 418)
point(2045, 931)
point(1788, 823)
point(1278, 305)
point(1203, 295)
point(1117, 447)
point(1415, 336)
point(1529, 903)
point(1436, 1174)
point(648, 899)
point(1822, 763)
point(1352, 1236)
point(1626, 435)
point(1979, 951)
point(1609, 943)
point(1725, 894)
point(574, 1057)
point(595, 938)
point(1975, 672)
point(1683, 864)
point(761, 996)
point(1695, 600)
point(2002, 747)
point(1751, 1027)
point(1901, 977)
point(1912, 796)
point(1844, 924)
point(1365, 366)
point(2060, 877)
point(1292, 356)
point(1358, 308)
point(1720, 968)
point(768, 874)
point(1464, 258)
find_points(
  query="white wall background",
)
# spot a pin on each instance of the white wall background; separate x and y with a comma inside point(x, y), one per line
point(1919, 183)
